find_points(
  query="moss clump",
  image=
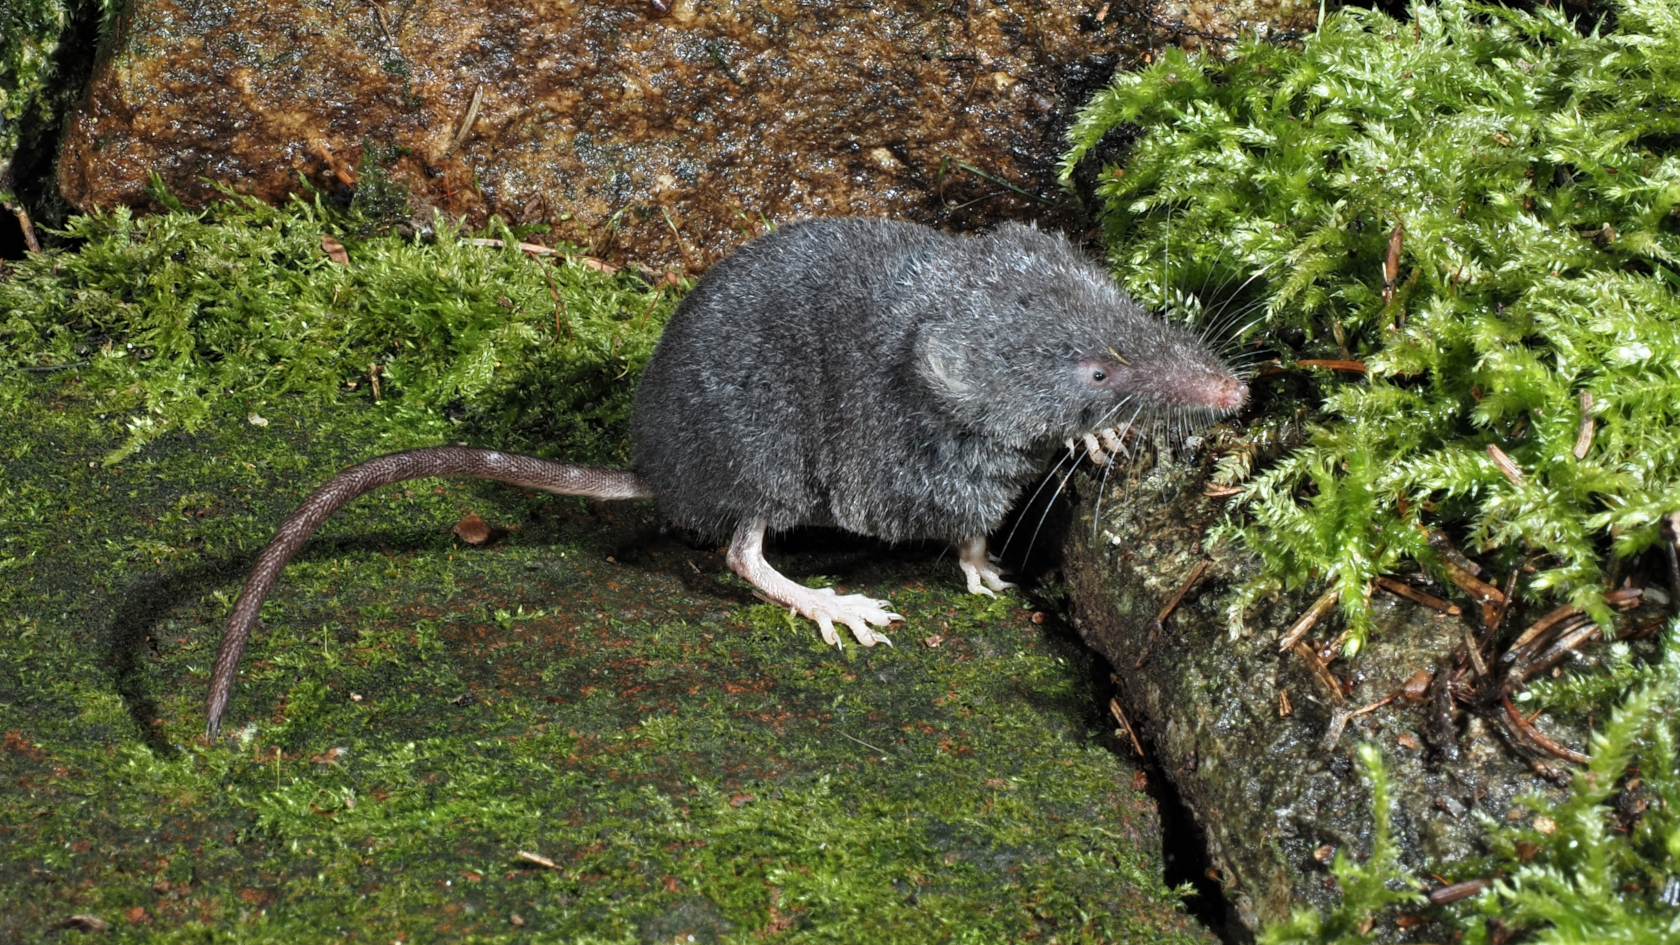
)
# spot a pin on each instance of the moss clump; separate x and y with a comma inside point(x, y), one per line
point(1608, 856)
point(1478, 205)
point(46, 48)
point(29, 35)
point(165, 315)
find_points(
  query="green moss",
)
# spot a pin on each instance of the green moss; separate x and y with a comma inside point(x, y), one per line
point(1608, 856)
point(1532, 164)
point(165, 315)
point(29, 35)
point(1524, 170)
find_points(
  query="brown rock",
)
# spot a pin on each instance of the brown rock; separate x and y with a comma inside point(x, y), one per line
point(660, 136)
point(668, 138)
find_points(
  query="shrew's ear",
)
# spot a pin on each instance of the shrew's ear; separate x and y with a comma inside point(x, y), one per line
point(945, 364)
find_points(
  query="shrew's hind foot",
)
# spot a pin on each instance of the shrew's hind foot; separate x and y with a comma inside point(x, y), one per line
point(858, 613)
point(980, 568)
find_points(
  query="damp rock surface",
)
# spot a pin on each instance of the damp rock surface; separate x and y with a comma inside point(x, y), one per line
point(45, 57)
point(673, 136)
point(669, 137)
point(1242, 730)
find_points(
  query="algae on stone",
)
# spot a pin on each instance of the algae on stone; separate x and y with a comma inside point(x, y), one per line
point(1600, 864)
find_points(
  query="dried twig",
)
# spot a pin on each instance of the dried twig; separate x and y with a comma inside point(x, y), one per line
point(1481, 591)
point(1457, 891)
point(1624, 597)
point(1334, 364)
point(1644, 629)
point(1413, 594)
point(1507, 466)
point(539, 859)
point(471, 118)
point(1537, 628)
point(1563, 647)
point(1385, 700)
point(1167, 609)
point(1184, 588)
point(1391, 264)
point(1120, 716)
point(883, 752)
point(1443, 546)
point(535, 249)
point(28, 228)
point(1465, 573)
point(1538, 737)
point(384, 27)
point(1583, 440)
point(1320, 672)
point(1493, 612)
point(1475, 654)
point(1306, 621)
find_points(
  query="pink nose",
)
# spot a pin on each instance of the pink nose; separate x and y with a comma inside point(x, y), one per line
point(1232, 394)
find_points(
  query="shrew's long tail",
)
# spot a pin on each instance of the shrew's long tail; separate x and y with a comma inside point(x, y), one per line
point(458, 461)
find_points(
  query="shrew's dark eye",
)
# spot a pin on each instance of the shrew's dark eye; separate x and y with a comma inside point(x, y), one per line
point(1099, 375)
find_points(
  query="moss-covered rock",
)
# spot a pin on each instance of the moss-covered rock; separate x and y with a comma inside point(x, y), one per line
point(1448, 246)
point(30, 31)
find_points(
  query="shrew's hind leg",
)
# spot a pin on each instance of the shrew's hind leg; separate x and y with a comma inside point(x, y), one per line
point(979, 566)
point(859, 613)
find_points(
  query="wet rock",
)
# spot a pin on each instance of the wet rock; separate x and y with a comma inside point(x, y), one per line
point(1196, 24)
point(28, 60)
point(1242, 729)
point(661, 131)
point(46, 54)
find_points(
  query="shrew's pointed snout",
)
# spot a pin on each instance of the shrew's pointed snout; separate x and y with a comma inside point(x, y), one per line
point(1216, 391)
point(1229, 394)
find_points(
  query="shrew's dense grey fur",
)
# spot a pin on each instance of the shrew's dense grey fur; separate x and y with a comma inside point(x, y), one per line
point(878, 376)
point(893, 380)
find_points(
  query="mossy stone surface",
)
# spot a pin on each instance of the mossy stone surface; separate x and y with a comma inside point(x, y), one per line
point(587, 688)
point(1245, 732)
